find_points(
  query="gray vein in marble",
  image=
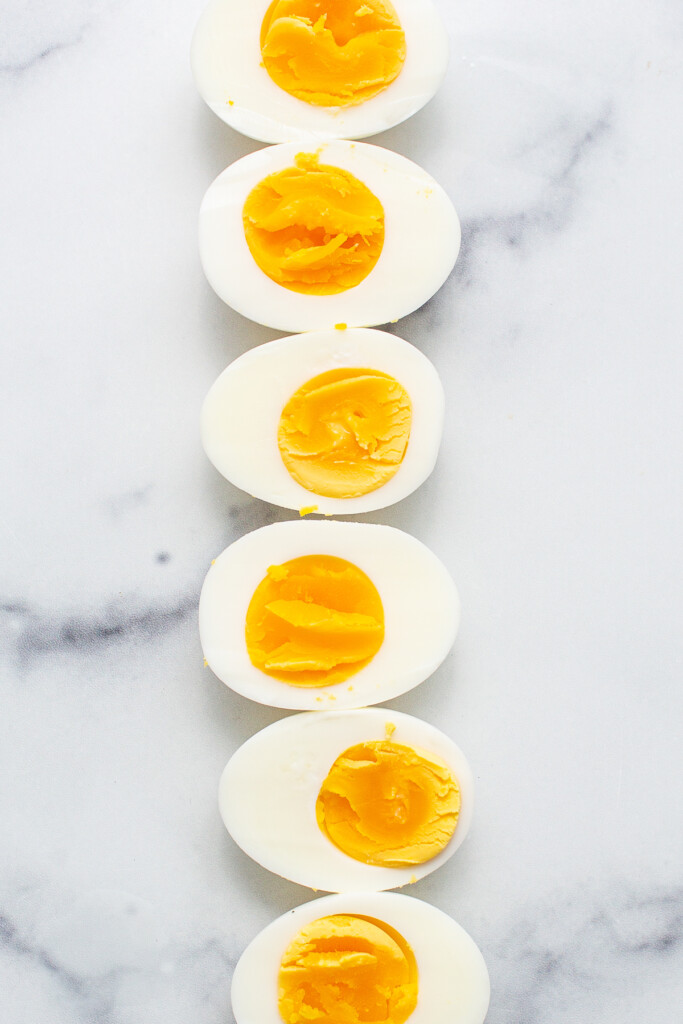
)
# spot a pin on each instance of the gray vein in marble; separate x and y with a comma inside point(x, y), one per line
point(31, 633)
point(551, 213)
point(37, 634)
point(11, 941)
point(97, 994)
point(569, 950)
point(19, 67)
point(253, 514)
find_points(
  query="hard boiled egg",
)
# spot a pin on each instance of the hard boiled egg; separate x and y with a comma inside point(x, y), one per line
point(313, 615)
point(281, 788)
point(347, 233)
point(363, 433)
point(303, 70)
point(364, 956)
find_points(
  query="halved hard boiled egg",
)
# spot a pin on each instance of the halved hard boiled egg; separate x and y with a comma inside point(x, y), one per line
point(303, 70)
point(312, 615)
point(347, 233)
point(348, 800)
point(340, 421)
point(377, 958)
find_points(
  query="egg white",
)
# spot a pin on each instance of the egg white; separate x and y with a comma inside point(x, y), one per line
point(421, 611)
point(241, 414)
point(269, 788)
point(421, 241)
point(226, 64)
point(453, 982)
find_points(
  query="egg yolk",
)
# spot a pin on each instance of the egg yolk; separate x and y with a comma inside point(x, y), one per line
point(345, 432)
point(345, 969)
point(314, 228)
point(314, 621)
point(389, 805)
point(332, 53)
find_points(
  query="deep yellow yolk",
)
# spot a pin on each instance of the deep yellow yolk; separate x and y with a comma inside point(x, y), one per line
point(314, 228)
point(332, 53)
point(347, 970)
point(390, 805)
point(314, 621)
point(345, 432)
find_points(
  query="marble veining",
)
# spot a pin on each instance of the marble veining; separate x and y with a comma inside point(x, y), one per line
point(551, 212)
point(574, 957)
point(31, 34)
point(39, 635)
point(555, 503)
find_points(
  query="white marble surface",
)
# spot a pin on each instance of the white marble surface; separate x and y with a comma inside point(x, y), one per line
point(556, 505)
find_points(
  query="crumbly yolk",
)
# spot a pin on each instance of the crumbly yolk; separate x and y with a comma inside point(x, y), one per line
point(387, 804)
point(345, 969)
point(332, 53)
point(314, 621)
point(345, 432)
point(314, 228)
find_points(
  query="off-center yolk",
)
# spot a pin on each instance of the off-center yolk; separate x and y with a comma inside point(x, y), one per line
point(389, 805)
point(347, 970)
point(314, 228)
point(314, 621)
point(332, 53)
point(345, 432)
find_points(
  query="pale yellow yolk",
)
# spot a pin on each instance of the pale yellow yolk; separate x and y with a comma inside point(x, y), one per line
point(314, 228)
point(345, 432)
point(390, 805)
point(347, 970)
point(332, 53)
point(314, 621)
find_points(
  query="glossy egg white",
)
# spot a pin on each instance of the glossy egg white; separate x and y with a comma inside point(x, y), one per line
point(453, 982)
point(421, 243)
point(226, 64)
point(241, 414)
point(421, 610)
point(269, 788)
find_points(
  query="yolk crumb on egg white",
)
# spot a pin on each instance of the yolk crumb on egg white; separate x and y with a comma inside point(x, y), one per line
point(348, 968)
point(332, 53)
point(314, 621)
point(345, 432)
point(314, 228)
point(388, 804)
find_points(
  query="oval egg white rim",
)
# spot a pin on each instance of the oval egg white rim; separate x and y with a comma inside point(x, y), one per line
point(241, 455)
point(261, 110)
point(452, 989)
point(317, 739)
point(222, 636)
point(431, 240)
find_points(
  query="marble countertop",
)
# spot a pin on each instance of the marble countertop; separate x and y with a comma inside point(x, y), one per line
point(555, 504)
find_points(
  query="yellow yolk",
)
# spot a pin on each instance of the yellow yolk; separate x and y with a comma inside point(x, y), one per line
point(345, 432)
point(314, 621)
point(314, 228)
point(347, 970)
point(389, 805)
point(332, 53)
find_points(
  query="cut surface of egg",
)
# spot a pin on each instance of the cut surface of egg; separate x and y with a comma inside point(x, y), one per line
point(297, 70)
point(347, 421)
point(353, 800)
point(377, 958)
point(314, 615)
point(347, 233)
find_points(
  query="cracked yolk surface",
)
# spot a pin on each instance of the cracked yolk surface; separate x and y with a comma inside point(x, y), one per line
point(345, 432)
point(314, 228)
point(314, 621)
point(347, 970)
point(332, 53)
point(389, 805)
